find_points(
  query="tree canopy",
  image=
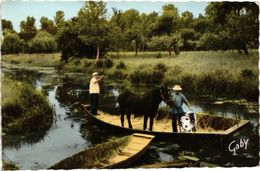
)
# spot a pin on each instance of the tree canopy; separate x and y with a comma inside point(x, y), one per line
point(92, 32)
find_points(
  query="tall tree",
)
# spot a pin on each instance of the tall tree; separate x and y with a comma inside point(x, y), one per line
point(7, 24)
point(167, 23)
point(48, 25)
point(131, 25)
point(93, 27)
point(117, 36)
point(59, 20)
point(186, 20)
point(27, 28)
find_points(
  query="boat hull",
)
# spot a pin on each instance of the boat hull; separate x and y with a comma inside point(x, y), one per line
point(194, 137)
point(120, 153)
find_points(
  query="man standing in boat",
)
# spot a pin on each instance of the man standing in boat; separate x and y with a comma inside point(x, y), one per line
point(94, 91)
point(177, 111)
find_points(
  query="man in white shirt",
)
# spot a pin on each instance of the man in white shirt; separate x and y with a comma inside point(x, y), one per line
point(94, 91)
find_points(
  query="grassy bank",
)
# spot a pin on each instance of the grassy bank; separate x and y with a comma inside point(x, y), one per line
point(24, 110)
point(203, 72)
point(47, 59)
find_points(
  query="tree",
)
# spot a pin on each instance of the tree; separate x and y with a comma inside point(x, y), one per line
point(59, 20)
point(48, 25)
point(27, 28)
point(186, 20)
point(92, 26)
point(70, 44)
point(188, 39)
point(240, 20)
point(7, 25)
point(43, 42)
point(147, 25)
point(117, 36)
point(12, 44)
point(166, 42)
point(167, 23)
point(132, 27)
point(208, 41)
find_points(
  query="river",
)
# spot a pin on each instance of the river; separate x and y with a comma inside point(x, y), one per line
point(68, 135)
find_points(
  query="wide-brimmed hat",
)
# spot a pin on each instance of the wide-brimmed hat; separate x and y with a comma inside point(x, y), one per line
point(177, 87)
point(95, 74)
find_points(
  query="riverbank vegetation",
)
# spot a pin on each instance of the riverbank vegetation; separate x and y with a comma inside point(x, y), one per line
point(24, 110)
point(221, 74)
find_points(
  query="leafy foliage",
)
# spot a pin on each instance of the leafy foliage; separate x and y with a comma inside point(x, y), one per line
point(225, 26)
point(12, 44)
point(165, 42)
point(24, 110)
point(43, 42)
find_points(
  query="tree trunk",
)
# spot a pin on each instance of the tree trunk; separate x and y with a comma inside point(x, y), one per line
point(97, 57)
point(170, 52)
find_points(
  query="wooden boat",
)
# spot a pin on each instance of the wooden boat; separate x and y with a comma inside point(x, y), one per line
point(181, 162)
point(119, 153)
point(209, 127)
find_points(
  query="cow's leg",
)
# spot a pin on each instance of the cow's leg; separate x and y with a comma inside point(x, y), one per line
point(145, 122)
point(151, 122)
point(129, 120)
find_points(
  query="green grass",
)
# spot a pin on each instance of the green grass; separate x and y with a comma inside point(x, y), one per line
point(195, 62)
point(217, 73)
point(47, 59)
point(24, 110)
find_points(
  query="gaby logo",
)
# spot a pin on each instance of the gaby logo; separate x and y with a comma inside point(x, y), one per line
point(236, 145)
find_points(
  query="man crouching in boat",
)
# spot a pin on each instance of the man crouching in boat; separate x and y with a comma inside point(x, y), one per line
point(177, 111)
point(94, 91)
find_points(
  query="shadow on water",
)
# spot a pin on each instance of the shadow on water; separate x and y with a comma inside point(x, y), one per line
point(72, 132)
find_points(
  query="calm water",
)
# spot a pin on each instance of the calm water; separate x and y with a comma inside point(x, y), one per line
point(68, 135)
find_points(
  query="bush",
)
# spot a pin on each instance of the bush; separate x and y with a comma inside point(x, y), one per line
point(109, 63)
point(247, 73)
point(161, 67)
point(24, 110)
point(146, 75)
point(87, 63)
point(117, 75)
point(177, 69)
point(159, 55)
point(76, 62)
point(121, 65)
point(100, 63)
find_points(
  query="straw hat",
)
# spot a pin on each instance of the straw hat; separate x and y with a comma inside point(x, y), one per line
point(95, 74)
point(177, 87)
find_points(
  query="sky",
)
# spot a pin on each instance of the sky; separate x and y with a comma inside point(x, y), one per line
point(17, 11)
